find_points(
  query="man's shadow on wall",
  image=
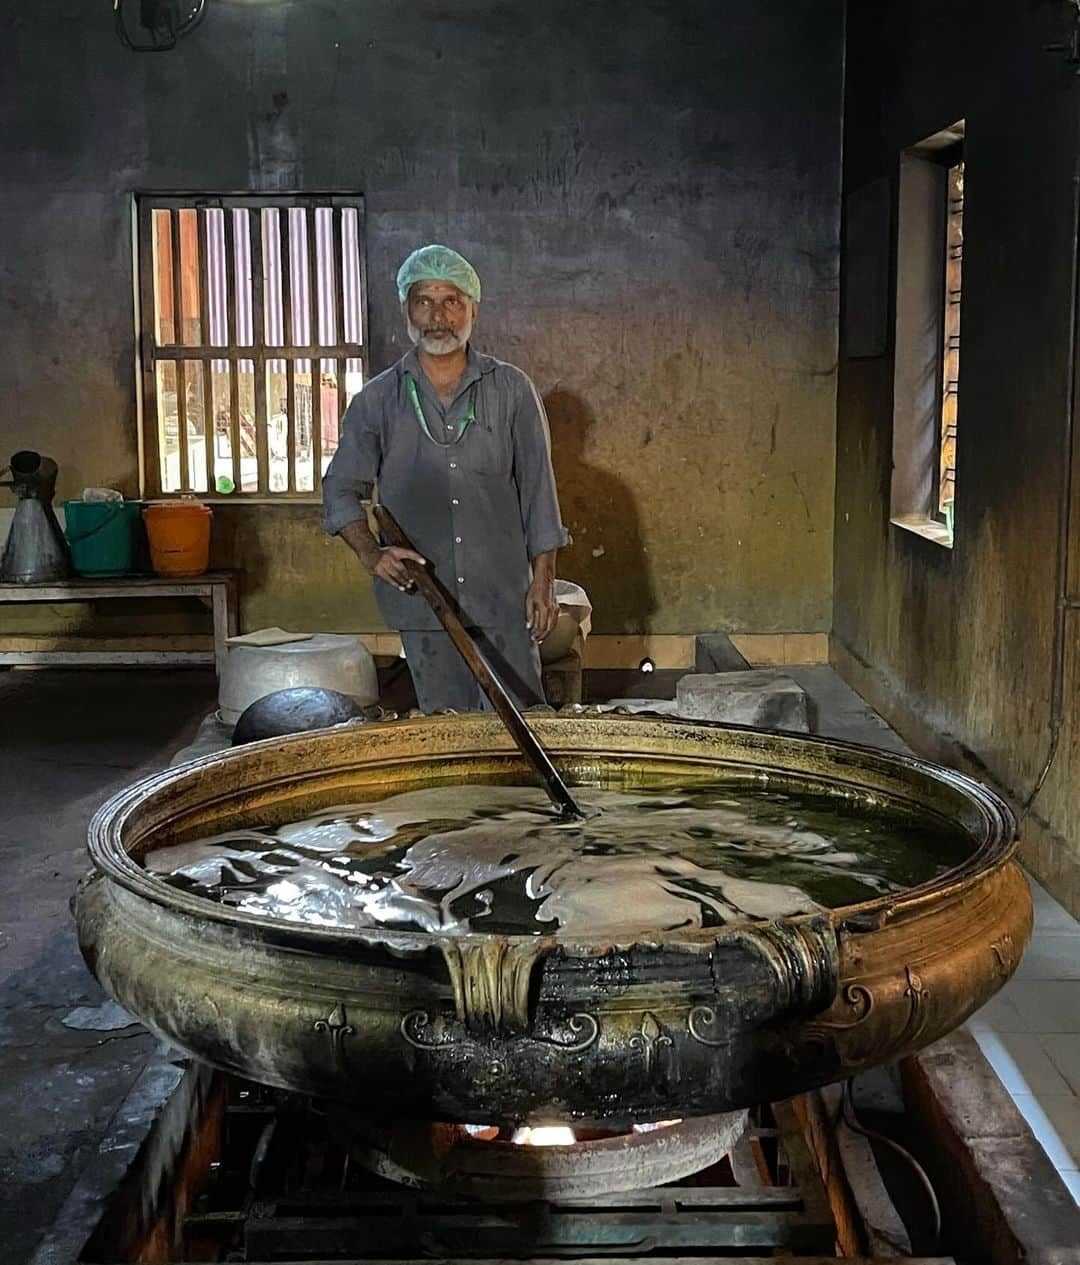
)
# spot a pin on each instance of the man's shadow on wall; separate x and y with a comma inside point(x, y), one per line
point(607, 558)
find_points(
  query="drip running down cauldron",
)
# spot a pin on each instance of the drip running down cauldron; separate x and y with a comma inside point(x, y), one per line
point(541, 1028)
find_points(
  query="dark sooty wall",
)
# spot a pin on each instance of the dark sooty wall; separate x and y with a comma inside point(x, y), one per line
point(959, 642)
point(650, 192)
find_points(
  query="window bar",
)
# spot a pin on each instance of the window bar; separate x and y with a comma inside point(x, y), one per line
point(231, 302)
point(209, 414)
point(148, 350)
point(315, 337)
point(353, 230)
point(360, 221)
point(339, 374)
point(335, 274)
point(181, 376)
point(334, 277)
point(290, 428)
point(258, 349)
point(288, 335)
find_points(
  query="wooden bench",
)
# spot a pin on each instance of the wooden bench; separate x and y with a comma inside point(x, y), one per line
point(215, 589)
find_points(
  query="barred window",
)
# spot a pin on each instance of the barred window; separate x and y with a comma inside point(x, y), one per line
point(252, 341)
point(926, 349)
point(950, 350)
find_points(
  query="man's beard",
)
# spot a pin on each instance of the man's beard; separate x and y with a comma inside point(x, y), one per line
point(440, 346)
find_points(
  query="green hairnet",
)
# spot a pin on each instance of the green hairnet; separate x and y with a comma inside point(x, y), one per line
point(438, 263)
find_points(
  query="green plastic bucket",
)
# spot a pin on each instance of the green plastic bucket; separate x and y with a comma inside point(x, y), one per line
point(103, 535)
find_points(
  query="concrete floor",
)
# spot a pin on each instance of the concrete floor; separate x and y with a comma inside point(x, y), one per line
point(68, 740)
point(67, 1058)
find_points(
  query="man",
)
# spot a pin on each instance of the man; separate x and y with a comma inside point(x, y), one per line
point(457, 444)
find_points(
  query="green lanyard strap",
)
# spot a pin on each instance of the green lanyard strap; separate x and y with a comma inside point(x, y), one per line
point(418, 409)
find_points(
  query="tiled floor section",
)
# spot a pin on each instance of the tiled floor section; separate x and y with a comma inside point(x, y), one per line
point(1030, 1033)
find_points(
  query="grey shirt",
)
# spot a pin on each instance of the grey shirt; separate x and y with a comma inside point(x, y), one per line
point(478, 509)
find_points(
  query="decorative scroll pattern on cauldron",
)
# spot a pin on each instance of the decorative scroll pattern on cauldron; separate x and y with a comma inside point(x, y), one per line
point(917, 995)
point(704, 1025)
point(650, 1039)
point(1005, 954)
point(857, 1041)
point(423, 1032)
point(337, 1026)
point(859, 1000)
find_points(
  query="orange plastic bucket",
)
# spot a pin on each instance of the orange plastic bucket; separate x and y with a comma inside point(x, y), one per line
point(179, 535)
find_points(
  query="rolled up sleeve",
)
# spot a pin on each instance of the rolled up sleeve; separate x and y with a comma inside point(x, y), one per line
point(355, 465)
point(534, 476)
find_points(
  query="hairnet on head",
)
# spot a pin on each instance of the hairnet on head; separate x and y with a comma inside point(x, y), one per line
point(438, 263)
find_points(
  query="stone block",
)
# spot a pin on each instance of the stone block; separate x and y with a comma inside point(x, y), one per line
point(562, 680)
point(715, 652)
point(762, 698)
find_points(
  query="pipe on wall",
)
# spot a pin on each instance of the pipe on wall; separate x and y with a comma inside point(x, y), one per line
point(1064, 601)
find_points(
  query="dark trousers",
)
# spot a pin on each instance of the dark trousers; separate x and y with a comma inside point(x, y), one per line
point(443, 680)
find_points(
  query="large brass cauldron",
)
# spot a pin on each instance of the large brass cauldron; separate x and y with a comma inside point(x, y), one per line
point(493, 1028)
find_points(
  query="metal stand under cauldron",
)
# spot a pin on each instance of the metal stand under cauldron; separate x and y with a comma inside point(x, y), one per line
point(265, 1176)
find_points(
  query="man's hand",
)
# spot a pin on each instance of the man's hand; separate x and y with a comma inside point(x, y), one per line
point(388, 565)
point(541, 608)
point(385, 563)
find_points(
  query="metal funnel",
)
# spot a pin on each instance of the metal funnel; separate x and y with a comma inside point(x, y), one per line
point(35, 552)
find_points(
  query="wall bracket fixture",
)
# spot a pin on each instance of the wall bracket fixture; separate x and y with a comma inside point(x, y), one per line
point(160, 22)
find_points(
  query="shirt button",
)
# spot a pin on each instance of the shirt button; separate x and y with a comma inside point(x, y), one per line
point(455, 501)
point(461, 579)
point(453, 465)
point(457, 540)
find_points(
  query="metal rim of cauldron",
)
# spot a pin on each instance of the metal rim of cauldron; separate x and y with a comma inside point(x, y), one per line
point(994, 840)
point(528, 1028)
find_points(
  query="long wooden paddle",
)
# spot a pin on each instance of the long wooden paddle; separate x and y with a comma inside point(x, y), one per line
point(442, 604)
